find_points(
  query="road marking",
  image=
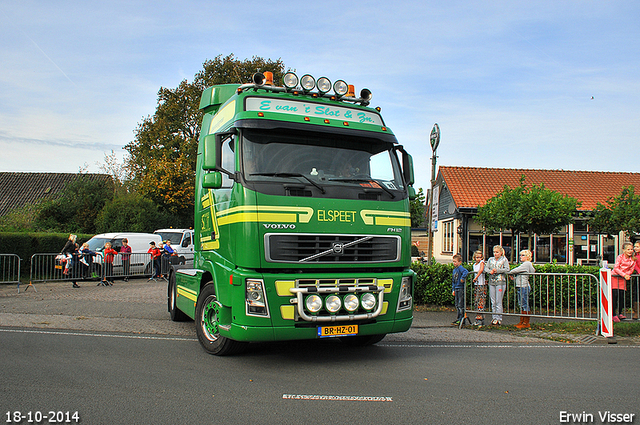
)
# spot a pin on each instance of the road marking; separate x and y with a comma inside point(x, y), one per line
point(335, 397)
point(506, 346)
point(163, 338)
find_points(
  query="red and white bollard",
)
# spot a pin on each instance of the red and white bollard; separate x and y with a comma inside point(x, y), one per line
point(606, 318)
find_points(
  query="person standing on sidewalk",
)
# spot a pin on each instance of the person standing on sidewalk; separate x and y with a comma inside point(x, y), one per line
point(622, 271)
point(480, 287)
point(457, 283)
point(635, 287)
point(497, 269)
point(522, 286)
point(125, 252)
point(155, 259)
point(109, 254)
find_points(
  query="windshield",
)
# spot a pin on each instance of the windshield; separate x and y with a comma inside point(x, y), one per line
point(96, 244)
point(174, 237)
point(323, 159)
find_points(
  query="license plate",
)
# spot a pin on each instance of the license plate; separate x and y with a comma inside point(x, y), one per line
point(331, 331)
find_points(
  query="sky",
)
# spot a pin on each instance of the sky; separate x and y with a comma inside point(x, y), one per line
point(511, 84)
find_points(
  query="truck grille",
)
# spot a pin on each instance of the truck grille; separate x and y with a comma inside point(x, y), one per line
point(320, 248)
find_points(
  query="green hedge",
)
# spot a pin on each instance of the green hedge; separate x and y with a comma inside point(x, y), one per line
point(433, 284)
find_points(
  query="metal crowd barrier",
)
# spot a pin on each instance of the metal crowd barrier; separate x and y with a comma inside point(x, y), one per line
point(10, 269)
point(50, 268)
point(629, 297)
point(573, 296)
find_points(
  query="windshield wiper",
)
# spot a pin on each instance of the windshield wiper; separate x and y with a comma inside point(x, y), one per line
point(291, 175)
point(356, 179)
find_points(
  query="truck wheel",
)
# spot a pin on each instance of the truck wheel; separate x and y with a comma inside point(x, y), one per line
point(176, 314)
point(362, 341)
point(207, 309)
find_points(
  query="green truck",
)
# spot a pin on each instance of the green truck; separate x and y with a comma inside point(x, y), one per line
point(302, 223)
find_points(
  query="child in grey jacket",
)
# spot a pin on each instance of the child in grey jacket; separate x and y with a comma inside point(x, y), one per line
point(496, 270)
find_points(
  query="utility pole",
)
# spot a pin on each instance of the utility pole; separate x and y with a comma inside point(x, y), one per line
point(435, 141)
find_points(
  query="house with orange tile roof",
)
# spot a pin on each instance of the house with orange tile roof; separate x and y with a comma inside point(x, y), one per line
point(460, 190)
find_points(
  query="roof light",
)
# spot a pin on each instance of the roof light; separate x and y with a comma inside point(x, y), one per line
point(365, 94)
point(290, 80)
point(340, 87)
point(268, 75)
point(324, 85)
point(351, 92)
point(307, 82)
point(258, 78)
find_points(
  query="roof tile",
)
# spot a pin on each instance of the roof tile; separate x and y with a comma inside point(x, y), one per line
point(471, 187)
point(20, 189)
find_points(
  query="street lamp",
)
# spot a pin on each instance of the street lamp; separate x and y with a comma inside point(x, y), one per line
point(434, 139)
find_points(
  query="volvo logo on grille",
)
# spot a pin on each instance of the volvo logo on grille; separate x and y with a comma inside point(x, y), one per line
point(338, 248)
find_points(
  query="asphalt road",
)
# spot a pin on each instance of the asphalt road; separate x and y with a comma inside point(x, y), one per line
point(112, 355)
point(140, 379)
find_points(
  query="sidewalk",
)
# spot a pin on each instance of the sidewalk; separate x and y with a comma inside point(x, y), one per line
point(139, 306)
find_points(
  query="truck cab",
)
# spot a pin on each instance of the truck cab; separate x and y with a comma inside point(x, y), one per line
point(302, 222)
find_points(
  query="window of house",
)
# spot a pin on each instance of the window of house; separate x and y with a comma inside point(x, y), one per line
point(447, 236)
point(559, 247)
point(543, 249)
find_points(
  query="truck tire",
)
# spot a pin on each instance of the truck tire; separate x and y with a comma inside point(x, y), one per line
point(363, 340)
point(207, 324)
point(176, 314)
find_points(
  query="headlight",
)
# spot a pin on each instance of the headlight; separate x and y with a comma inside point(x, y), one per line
point(351, 303)
point(255, 295)
point(313, 303)
point(368, 301)
point(404, 298)
point(259, 78)
point(255, 298)
point(290, 80)
point(307, 82)
point(340, 87)
point(333, 303)
point(365, 94)
point(324, 85)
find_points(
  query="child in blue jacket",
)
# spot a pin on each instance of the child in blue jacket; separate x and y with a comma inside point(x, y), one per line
point(457, 284)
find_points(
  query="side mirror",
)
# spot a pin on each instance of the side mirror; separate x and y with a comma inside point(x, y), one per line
point(211, 152)
point(212, 180)
point(407, 168)
point(412, 193)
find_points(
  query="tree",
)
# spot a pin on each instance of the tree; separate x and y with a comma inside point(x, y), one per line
point(133, 213)
point(527, 209)
point(622, 213)
point(163, 153)
point(417, 209)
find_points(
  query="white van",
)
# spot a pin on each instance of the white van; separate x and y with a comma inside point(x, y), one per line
point(139, 243)
point(181, 242)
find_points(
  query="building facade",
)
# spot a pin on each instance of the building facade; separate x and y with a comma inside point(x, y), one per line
point(462, 189)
